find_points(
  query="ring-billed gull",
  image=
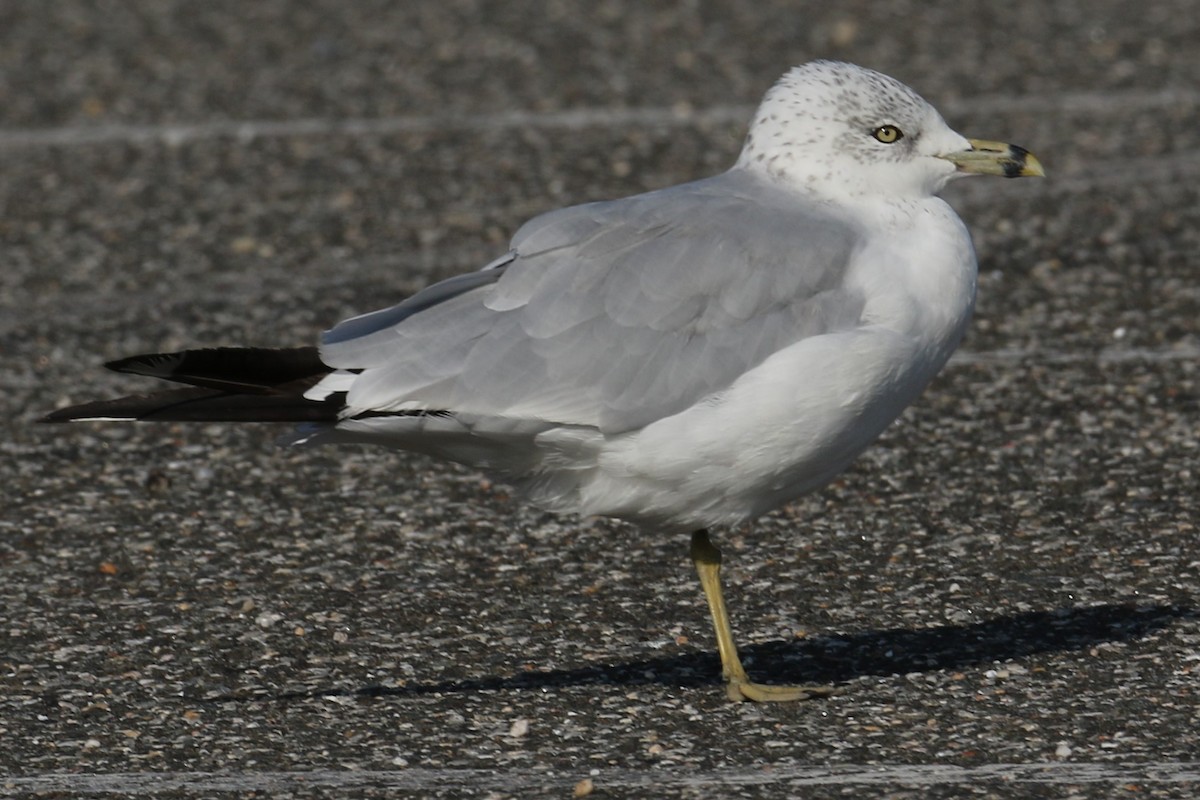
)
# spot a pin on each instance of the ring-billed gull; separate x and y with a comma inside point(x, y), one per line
point(683, 359)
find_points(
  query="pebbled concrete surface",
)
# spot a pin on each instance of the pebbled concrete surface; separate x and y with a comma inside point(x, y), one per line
point(1006, 586)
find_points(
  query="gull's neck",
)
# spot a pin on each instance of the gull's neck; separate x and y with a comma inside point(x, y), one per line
point(873, 210)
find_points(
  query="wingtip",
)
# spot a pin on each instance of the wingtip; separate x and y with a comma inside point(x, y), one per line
point(63, 415)
point(152, 365)
point(80, 413)
point(55, 416)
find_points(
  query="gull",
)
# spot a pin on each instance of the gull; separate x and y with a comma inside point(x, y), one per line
point(685, 359)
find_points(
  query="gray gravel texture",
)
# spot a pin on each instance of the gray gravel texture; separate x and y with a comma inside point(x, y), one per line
point(1006, 586)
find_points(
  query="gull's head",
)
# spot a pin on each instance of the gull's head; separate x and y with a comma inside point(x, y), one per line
point(842, 131)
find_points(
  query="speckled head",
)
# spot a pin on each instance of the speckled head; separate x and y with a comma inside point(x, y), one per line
point(842, 131)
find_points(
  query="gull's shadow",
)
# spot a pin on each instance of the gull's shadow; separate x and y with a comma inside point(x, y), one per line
point(825, 659)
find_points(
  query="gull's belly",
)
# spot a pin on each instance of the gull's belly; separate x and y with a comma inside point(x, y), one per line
point(785, 428)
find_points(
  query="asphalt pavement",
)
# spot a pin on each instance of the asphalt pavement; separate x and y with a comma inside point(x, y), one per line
point(1006, 588)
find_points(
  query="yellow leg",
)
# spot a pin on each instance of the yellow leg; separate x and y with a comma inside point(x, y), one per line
point(738, 686)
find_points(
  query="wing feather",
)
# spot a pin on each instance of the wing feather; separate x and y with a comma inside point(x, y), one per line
point(614, 314)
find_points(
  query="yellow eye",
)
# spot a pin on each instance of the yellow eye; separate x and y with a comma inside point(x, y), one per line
point(888, 134)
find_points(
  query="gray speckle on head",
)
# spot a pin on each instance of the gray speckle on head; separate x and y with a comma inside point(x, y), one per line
point(816, 127)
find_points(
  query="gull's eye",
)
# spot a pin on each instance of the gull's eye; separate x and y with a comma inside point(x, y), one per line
point(888, 134)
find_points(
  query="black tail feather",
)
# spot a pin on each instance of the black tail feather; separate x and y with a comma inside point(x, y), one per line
point(236, 369)
point(225, 385)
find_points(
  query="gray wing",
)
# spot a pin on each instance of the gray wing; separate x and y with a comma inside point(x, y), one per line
point(612, 314)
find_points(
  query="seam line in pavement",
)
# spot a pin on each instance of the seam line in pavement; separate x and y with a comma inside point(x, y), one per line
point(1107, 356)
point(571, 119)
point(131, 784)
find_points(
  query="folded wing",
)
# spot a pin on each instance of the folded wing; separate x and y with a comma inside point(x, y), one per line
point(611, 315)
